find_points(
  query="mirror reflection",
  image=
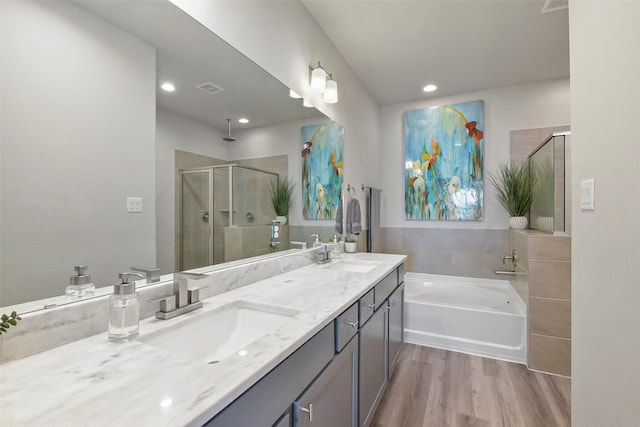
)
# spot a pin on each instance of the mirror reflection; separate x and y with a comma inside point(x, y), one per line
point(94, 153)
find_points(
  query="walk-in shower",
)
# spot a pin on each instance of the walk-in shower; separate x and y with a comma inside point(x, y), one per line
point(224, 214)
point(550, 207)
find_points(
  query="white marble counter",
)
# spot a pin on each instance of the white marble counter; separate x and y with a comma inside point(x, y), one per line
point(96, 382)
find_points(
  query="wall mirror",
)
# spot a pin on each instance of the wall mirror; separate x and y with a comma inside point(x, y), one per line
point(91, 146)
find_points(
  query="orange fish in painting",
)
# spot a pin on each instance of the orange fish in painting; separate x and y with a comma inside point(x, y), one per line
point(306, 149)
point(473, 132)
point(336, 166)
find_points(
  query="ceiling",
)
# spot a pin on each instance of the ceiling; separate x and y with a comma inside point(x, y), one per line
point(396, 47)
point(188, 54)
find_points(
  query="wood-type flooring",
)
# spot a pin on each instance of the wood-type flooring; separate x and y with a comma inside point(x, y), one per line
point(439, 388)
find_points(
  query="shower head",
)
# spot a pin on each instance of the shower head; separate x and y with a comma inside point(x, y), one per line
point(229, 138)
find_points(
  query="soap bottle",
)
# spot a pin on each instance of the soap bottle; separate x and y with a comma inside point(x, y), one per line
point(124, 309)
point(80, 285)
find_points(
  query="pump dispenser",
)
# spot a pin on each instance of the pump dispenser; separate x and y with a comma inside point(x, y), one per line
point(80, 285)
point(124, 309)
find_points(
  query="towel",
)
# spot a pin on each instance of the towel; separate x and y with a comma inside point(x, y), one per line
point(354, 223)
point(339, 217)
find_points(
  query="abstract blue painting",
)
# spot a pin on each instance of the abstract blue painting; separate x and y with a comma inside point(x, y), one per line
point(322, 167)
point(444, 162)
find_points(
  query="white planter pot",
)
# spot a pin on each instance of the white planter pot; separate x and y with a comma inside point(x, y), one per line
point(518, 222)
point(350, 247)
point(281, 219)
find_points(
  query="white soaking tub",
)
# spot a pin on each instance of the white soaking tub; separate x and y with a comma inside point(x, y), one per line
point(477, 316)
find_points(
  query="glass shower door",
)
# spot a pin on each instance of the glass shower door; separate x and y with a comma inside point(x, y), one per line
point(196, 244)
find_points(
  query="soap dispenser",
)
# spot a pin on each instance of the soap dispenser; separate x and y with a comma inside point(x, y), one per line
point(124, 309)
point(80, 284)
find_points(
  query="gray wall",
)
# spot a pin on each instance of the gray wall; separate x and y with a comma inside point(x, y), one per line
point(78, 135)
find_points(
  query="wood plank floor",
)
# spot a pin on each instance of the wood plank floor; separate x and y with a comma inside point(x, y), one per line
point(439, 388)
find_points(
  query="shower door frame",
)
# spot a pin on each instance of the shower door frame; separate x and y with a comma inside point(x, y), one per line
point(209, 171)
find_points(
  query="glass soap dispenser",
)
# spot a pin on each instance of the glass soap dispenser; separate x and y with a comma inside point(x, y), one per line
point(80, 284)
point(124, 309)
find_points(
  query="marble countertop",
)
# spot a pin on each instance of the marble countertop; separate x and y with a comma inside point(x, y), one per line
point(97, 382)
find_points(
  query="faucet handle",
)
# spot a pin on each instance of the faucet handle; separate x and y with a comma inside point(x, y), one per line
point(194, 294)
point(167, 302)
point(152, 273)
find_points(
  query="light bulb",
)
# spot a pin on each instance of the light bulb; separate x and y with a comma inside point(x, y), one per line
point(318, 79)
point(331, 93)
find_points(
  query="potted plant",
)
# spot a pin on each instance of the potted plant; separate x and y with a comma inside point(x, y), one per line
point(514, 183)
point(280, 192)
point(350, 243)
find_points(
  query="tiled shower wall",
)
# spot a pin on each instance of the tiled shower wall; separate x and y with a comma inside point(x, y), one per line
point(544, 283)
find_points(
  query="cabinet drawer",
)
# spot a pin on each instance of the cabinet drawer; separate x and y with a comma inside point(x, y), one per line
point(367, 307)
point(385, 287)
point(346, 326)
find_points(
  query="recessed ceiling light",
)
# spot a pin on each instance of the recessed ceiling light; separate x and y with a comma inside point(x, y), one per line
point(429, 88)
point(243, 120)
point(167, 87)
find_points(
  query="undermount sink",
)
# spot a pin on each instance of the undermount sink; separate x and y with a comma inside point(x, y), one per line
point(215, 335)
point(353, 265)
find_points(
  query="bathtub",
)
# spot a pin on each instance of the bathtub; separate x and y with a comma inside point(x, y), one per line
point(477, 316)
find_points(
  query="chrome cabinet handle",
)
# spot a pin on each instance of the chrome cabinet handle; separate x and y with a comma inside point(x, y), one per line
point(308, 411)
point(352, 324)
point(371, 306)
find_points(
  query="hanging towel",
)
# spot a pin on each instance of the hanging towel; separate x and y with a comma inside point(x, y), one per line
point(354, 223)
point(374, 235)
point(339, 217)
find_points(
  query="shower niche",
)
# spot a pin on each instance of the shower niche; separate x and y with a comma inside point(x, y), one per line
point(224, 215)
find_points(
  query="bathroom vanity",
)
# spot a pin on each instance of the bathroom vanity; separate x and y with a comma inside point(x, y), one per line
point(313, 345)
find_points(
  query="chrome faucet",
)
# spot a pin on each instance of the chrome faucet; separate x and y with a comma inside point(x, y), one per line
point(183, 299)
point(513, 257)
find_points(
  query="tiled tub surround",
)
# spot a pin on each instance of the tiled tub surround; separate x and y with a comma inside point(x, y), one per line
point(96, 382)
point(44, 329)
point(545, 286)
point(450, 252)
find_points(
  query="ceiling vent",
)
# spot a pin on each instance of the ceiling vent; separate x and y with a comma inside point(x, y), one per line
point(554, 5)
point(209, 88)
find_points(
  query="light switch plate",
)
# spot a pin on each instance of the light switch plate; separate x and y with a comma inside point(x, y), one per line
point(134, 204)
point(587, 195)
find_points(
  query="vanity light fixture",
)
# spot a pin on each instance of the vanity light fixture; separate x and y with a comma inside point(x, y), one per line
point(430, 88)
point(318, 79)
point(331, 94)
point(243, 120)
point(168, 87)
point(293, 94)
point(306, 103)
point(322, 83)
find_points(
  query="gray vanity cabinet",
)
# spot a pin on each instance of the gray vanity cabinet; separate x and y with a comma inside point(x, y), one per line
point(373, 364)
point(332, 399)
point(396, 336)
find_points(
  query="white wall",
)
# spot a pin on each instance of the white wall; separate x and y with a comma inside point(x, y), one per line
point(516, 107)
point(176, 132)
point(284, 39)
point(605, 106)
point(78, 135)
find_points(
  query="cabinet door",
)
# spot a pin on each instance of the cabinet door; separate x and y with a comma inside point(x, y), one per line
point(332, 399)
point(396, 327)
point(373, 364)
